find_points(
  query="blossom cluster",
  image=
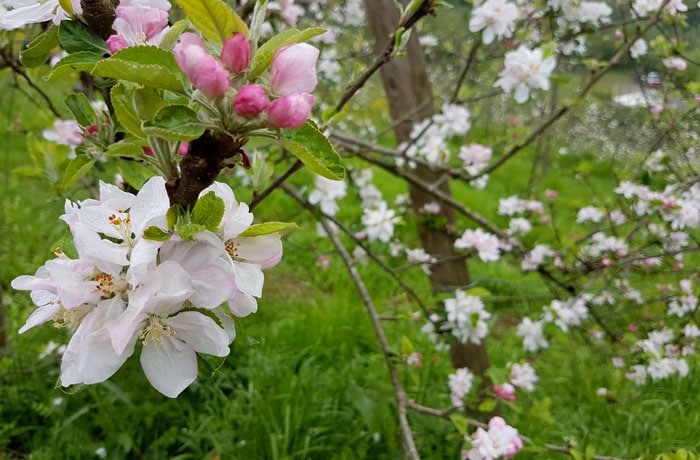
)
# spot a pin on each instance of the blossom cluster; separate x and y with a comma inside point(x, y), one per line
point(139, 282)
point(465, 318)
point(499, 440)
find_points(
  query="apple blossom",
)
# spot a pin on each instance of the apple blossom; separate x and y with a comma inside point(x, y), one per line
point(137, 24)
point(496, 18)
point(293, 69)
point(235, 53)
point(290, 111)
point(487, 245)
point(250, 101)
point(523, 376)
point(524, 69)
point(206, 73)
point(460, 384)
point(325, 194)
point(379, 222)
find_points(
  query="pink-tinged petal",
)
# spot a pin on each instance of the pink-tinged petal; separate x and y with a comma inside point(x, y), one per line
point(265, 250)
point(211, 287)
point(165, 290)
point(250, 101)
point(293, 69)
point(242, 304)
point(170, 366)
point(124, 329)
point(200, 332)
point(235, 53)
point(89, 357)
point(40, 316)
point(40, 281)
point(193, 255)
point(116, 42)
point(249, 278)
point(290, 111)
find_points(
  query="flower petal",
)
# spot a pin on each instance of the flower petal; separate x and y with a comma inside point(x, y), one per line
point(170, 366)
point(200, 332)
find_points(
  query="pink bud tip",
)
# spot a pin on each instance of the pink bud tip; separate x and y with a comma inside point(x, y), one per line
point(235, 53)
point(291, 111)
point(250, 101)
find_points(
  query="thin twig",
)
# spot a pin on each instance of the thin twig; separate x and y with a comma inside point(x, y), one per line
point(402, 400)
point(275, 184)
point(17, 68)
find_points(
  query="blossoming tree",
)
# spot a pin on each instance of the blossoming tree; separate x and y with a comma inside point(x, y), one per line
point(164, 264)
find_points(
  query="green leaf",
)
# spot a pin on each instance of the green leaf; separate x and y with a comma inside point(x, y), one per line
point(208, 211)
point(147, 102)
point(75, 37)
point(267, 228)
point(67, 5)
point(145, 65)
point(40, 48)
point(188, 231)
point(171, 37)
point(214, 18)
point(135, 173)
point(589, 453)
point(478, 292)
point(314, 150)
point(487, 405)
point(175, 123)
point(175, 214)
point(76, 169)
point(81, 109)
point(124, 149)
point(576, 454)
point(122, 101)
point(82, 61)
point(263, 57)
point(156, 234)
point(460, 423)
point(406, 346)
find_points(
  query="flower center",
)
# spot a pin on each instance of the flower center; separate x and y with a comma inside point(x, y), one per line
point(155, 331)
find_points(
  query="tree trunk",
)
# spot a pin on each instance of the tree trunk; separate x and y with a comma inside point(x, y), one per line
point(410, 98)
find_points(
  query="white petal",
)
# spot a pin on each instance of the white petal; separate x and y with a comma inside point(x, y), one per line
point(265, 250)
point(211, 287)
point(242, 304)
point(40, 316)
point(249, 278)
point(150, 206)
point(200, 332)
point(170, 366)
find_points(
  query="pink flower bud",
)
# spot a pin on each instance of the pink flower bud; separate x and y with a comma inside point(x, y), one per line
point(205, 72)
point(115, 43)
point(148, 151)
point(235, 53)
point(250, 101)
point(184, 148)
point(293, 69)
point(93, 129)
point(290, 111)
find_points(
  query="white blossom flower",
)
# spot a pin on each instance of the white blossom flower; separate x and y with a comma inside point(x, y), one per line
point(531, 332)
point(590, 214)
point(487, 245)
point(496, 18)
point(379, 222)
point(523, 376)
point(500, 440)
point(466, 318)
point(638, 48)
point(460, 384)
point(525, 69)
point(326, 193)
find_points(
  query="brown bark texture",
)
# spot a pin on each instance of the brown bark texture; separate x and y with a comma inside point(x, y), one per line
point(409, 94)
